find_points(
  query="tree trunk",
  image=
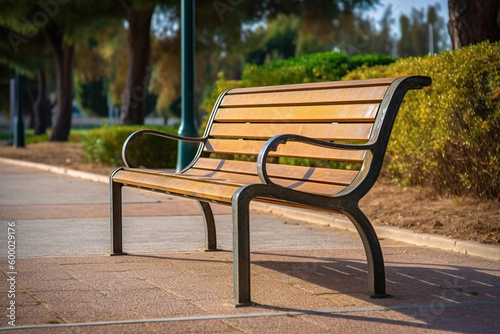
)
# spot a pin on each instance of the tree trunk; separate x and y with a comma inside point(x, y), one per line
point(473, 21)
point(133, 108)
point(29, 106)
point(64, 56)
point(41, 108)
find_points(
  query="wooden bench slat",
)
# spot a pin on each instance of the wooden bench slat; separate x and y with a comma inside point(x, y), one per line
point(333, 113)
point(243, 179)
point(219, 188)
point(326, 189)
point(217, 191)
point(340, 131)
point(312, 97)
point(315, 85)
point(326, 175)
point(232, 177)
point(291, 149)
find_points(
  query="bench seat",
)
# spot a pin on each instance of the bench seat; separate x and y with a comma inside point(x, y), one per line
point(250, 149)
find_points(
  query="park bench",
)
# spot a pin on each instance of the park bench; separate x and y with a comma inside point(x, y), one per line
point(252, 131)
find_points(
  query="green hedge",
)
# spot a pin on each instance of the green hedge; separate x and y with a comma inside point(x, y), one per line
point(321, 66)
point(448, 135)
point(104, 145)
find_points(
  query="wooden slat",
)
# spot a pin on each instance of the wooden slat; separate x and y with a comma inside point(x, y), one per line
point(321, 188)
point(291, 149)
point(219, 187)
point(173, 183)
point(315, 85)
point(325, 175)
point(332, 113)
point(328, 131)
point(322, 96)
point(223, 176)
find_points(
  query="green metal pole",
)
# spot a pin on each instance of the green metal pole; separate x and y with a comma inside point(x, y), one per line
point(19, 126)
point(185, 150)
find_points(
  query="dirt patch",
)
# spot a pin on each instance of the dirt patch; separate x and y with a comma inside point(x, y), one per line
point(69, 155)
point(386, 204)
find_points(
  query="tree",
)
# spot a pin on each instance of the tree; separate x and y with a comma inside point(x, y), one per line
point(136, 88)
point(415, 33)
point(225, 39)
point(440, 36)
point(6, 73)
point(64, 57)
point(473, 21)
point(61, 23)
point(383, 41)
point(41, 106)
point(276, 40)
point(31, 61)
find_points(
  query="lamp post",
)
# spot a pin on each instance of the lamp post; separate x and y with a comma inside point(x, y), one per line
point(19, 122)
point(187, 150)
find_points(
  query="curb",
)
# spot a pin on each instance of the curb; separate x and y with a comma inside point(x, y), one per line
point(58, 170)
point(406, 236)
point(318, 218)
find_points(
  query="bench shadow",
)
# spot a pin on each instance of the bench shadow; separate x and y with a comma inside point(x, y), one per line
point(426, 293)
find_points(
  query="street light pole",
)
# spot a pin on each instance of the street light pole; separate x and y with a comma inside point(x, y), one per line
point(19, 122)
point(186, 150)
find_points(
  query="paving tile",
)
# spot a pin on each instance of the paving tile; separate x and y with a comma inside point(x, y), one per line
point(297, 269)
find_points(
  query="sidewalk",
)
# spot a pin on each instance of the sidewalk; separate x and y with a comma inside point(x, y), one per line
point(305, 277)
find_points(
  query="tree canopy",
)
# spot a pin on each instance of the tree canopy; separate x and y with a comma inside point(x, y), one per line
point(62, 23)
point(129, 50)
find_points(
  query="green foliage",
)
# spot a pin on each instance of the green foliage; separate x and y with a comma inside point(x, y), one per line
point(448, 135)
point(415, 33)
point(221, 85)
point(104, 145)
point(274, 41)
point(321, 66)
point(6, 74)
point(29, 136)
point(91, 96)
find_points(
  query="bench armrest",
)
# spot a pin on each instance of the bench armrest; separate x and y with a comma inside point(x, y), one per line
point(272, 145)
point(138, 134)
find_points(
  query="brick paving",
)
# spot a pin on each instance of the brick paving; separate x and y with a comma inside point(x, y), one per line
point(305, 278)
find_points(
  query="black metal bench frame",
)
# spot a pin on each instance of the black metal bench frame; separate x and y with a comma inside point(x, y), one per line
point(345, 202)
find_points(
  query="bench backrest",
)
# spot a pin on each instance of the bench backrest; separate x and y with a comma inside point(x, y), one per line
point(352, 112)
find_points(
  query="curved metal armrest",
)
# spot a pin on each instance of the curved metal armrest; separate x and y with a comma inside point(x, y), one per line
point(272, 145)
point(139, 133)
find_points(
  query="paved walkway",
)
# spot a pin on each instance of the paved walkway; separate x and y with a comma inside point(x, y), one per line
point(305, 278)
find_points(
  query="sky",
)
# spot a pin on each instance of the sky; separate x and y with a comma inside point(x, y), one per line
point(404, 7)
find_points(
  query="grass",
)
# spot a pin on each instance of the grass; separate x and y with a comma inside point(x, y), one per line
point(75, 136)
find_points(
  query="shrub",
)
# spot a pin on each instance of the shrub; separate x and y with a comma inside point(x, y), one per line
point(321, 66)
point(448, 135)
point(104, 145)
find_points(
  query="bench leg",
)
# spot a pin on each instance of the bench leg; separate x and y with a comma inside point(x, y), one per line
point(210, 230)
point(116, 217)
point(241, 252)
point(376, 270)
